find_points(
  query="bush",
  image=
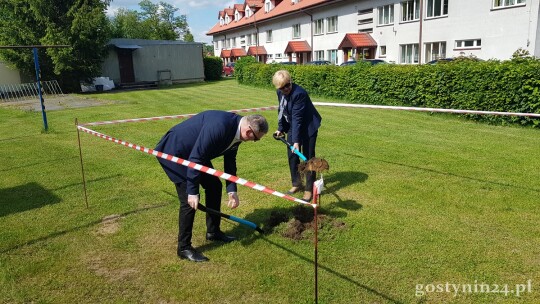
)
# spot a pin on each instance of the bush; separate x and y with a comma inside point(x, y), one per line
point(507, 86)
point(213, 66)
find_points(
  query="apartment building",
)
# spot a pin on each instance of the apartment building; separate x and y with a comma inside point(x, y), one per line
point(399, 31)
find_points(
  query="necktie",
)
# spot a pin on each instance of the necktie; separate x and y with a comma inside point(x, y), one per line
point(282, 105)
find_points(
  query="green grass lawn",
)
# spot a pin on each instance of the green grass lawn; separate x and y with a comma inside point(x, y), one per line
point(423, 199)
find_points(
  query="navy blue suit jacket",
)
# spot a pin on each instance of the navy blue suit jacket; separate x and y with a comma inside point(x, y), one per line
point(200, 139)
point(304, 120)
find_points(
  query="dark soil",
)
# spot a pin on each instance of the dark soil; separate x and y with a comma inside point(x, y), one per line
point(300, 222)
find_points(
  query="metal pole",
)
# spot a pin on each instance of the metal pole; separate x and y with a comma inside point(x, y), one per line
point(36, 63)
point(315, 197)
point(82, 166)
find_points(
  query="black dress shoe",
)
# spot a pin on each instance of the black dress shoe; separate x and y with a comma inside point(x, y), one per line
point(219, 236)
point(192, 255)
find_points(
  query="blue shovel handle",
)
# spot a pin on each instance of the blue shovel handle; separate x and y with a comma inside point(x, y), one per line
point(232, 218)
point(295, 151)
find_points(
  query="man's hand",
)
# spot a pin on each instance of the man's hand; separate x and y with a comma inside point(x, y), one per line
point(296, 146)
point(233, 200)
point(279, 134)
point(193, 201)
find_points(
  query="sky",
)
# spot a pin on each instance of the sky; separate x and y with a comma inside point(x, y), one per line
point(201, 15)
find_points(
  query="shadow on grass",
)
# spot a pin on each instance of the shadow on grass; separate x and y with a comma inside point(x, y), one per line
point(253, 236)
point(340, 180)
point(334, 272)
point(34, 164)
point(448, 174)
point(25, 197)
point(63, 232)
point(248, 236)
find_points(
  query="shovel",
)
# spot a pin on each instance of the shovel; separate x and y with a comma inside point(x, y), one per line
point(295, 151)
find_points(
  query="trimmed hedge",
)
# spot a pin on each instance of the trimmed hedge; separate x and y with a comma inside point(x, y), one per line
point(506, 86)
point(213, 66)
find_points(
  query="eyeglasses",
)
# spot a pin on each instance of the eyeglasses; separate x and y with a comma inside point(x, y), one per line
point(288, 85)
point(254, 135)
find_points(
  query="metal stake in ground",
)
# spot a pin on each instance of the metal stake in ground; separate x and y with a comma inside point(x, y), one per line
point(82, 166)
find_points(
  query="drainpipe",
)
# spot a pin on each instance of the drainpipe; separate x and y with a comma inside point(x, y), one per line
point(311, 31)
point(420, 32)
point(256, 33)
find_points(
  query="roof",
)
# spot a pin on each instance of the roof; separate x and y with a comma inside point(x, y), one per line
point(229, 11)
point(225, 54)
point(297, 47)
point(143, 42)
point(283, 8)
point(127, 46)
point(356, 40)
point(239, 7)
point(254, 3)
point(257, 50)
point(238, 52)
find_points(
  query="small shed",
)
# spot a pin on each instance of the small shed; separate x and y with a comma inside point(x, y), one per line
point(133, 61)
point(9, 75)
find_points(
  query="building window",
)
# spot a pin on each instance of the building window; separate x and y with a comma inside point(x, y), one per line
point(386, 15)
point(506, 3)
point(267, 6)
point(382, 51)
point(319, 27)
point(296, 31)
point(366, 30)
point(254, 39)
point(365, 21)
point(437, 8)
point(233, 42)
point(471, 43)
point(409, 53)
point(332, 56)
point(365, 11)
point(278, 56)
point(236, 16)
point(269, 36)
point(410, 10)
point(332, 24)
point(319, 55)
point(435, 50)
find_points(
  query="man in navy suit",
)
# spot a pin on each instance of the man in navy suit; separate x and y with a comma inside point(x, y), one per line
point(300, 120)
point(200, 139)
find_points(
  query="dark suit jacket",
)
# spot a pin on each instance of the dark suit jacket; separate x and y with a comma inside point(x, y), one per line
point(200, 139)
point(304, 120)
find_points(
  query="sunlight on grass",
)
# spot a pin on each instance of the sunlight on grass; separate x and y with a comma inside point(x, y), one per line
point(415, 198)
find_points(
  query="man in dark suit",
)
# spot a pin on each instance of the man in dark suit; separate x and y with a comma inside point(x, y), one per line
point(298, 118)
point(200, 139)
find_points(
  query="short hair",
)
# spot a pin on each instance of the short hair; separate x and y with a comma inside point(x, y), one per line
point(258, 123)
point(281, 78)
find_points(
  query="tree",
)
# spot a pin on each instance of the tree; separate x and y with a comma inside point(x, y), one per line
point(81, 24)
point(154, 21)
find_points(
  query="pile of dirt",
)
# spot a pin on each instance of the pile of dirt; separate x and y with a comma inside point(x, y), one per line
point(299, 223)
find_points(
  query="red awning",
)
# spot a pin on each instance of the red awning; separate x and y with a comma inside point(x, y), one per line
point(297, 47)
point(257, 50)
point(238, 52)
point(225, 54)
point(357, 40)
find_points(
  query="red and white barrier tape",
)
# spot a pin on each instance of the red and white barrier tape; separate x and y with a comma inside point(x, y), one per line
point(348, 105)
point(171, 117)
point(196, 166)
